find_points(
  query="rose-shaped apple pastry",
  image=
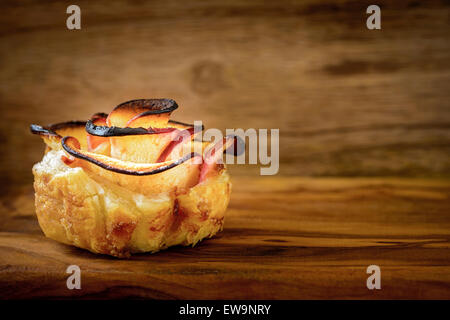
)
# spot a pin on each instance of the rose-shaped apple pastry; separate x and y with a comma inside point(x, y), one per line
point(131, 181)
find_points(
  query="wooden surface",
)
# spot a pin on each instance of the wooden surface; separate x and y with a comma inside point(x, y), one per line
point(284, 238)
point(348, 101)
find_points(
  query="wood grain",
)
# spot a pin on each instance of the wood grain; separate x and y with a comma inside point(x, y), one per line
point(284, 238)
point(348, 101)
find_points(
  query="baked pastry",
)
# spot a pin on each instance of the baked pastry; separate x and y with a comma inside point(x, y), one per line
point(131, 181)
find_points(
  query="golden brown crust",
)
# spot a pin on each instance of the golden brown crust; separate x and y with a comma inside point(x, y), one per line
point(105, 218)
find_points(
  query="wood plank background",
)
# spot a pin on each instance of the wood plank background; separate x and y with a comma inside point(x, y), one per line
point(349, 103)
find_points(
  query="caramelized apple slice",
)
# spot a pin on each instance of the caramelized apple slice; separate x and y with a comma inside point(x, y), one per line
point(98, 144)
point(181, 125)
point(72, 146)
point(174, 176)
point(151, 115)
point(181, 137)
point(144, 113)
point(140, 149)
point(140, 144)
point(51, 138)
point(179, 142)
point(53, 134)
point(106, 131)
point(214, 152)
point(148, 119)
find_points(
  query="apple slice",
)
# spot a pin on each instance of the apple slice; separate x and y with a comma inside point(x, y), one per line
point(185, 135)
point(142, 113)
point(181, 125)
point(126, 146)
point(98, 144)
point(173, 176)
point(140, 149)
point(53, 134)
point(181, 137)
point(213, 153)
point(100, 130)
point(147, 118)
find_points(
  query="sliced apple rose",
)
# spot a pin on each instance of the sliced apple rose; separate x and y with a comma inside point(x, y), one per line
point(155, 112)
point(98, 144)
point(131, 181)
point(184, 173)
point(148, 114)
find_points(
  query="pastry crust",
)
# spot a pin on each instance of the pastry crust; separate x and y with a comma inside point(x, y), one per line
point(73, 208)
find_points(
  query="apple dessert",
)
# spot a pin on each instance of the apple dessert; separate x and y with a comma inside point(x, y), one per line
point(130, 181)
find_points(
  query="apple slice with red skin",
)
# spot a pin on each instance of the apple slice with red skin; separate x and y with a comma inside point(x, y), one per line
point(52, 134)
point(98, 144)
point(214, 152)
point(112, 131)
point(153, 113)
point(143, 142)
point(175, 175)
point(181, 137)
point(148, 118)
point(185, 135)
point(97, 127)
point(141, 149)
point(72, 146)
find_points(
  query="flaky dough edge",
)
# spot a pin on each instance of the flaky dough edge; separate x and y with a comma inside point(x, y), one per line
point(75, 209)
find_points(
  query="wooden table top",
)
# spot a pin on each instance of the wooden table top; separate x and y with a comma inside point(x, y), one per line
point(348, 102)
point(284, 238)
